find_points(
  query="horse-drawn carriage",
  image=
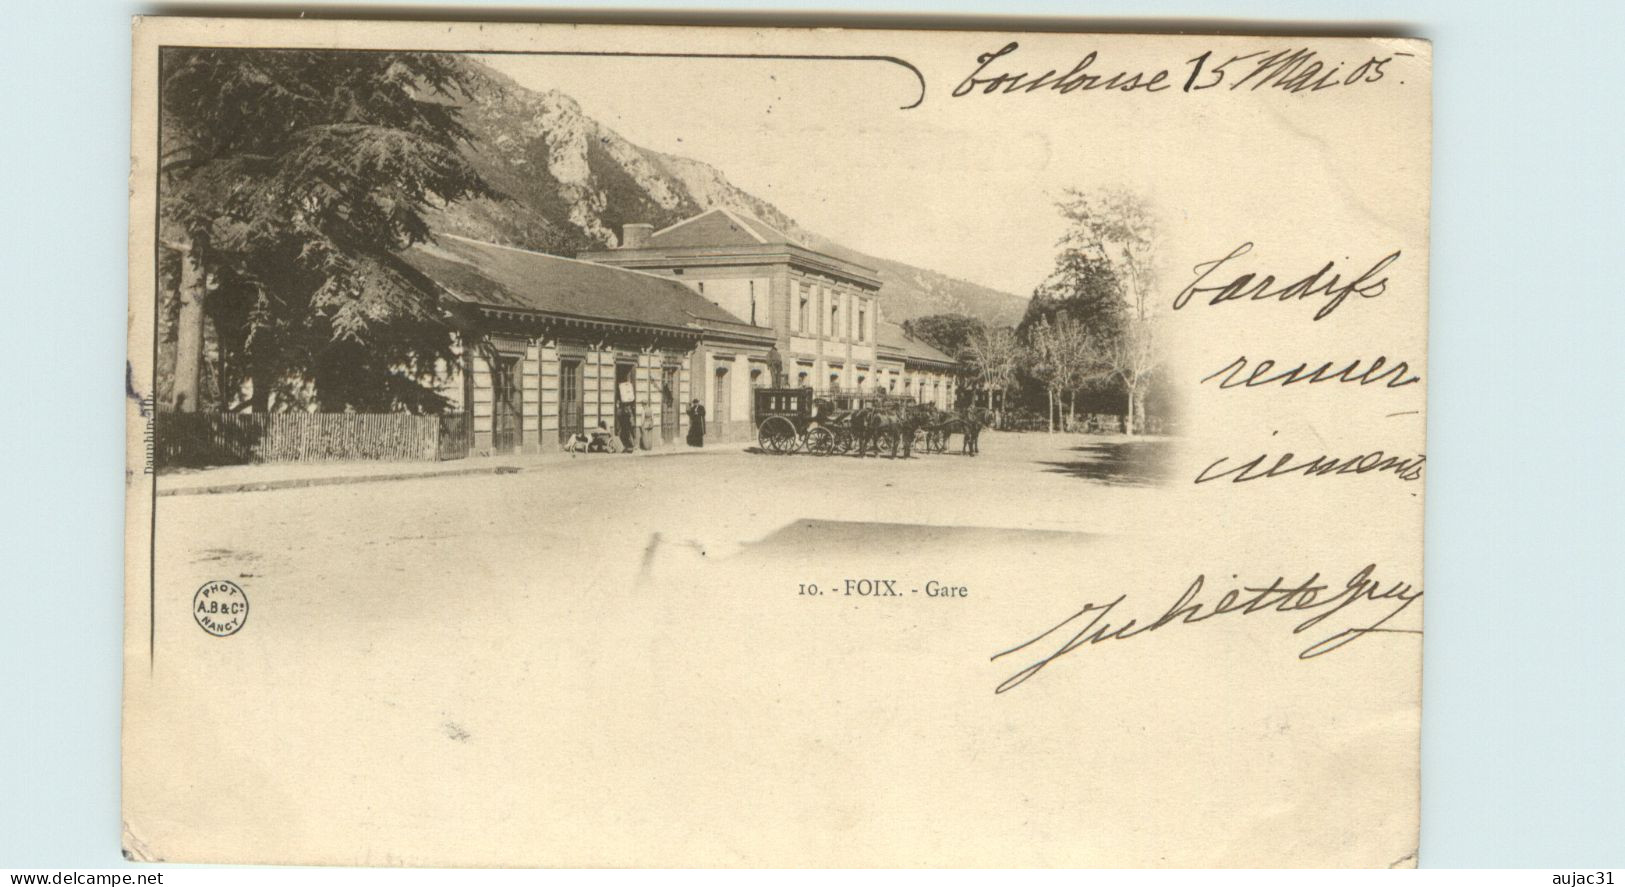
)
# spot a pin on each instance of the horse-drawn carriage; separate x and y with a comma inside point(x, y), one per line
point(795, 419)
point(789, 420)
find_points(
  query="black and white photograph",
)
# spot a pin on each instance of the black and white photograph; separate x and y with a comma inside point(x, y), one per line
point(625, 441)
point(774, 447)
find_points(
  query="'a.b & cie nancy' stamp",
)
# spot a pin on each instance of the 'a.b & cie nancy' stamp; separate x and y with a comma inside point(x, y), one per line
point(220, 607)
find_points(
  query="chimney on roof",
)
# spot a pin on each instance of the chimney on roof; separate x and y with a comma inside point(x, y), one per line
point(635, 234)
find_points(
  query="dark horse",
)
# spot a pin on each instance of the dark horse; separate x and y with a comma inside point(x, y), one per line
point(971, 421)
point(894, 428)
point(968, 423)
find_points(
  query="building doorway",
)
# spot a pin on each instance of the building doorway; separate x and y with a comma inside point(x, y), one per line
point(626, 402)
point(669, 409)
point(506, 408)
point(572, 410)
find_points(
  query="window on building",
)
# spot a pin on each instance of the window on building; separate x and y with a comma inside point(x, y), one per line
point(863, 319)
point(752, 286)
point(834, 315)
point(801, 308)
point(720, 402)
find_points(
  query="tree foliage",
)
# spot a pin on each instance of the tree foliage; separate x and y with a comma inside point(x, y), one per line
point(949, 333)
point(1083, 287)
point(1066, 356)
point(1117, 228)
point(293, 177)
point(995, 356)
point(1130, 359)
point(1089, 325)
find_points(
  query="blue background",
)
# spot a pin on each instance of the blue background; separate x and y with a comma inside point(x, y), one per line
point(1524, 713)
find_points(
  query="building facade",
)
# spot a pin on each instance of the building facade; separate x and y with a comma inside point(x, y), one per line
point(709, 309)
point(822, 312)
point(548, 347)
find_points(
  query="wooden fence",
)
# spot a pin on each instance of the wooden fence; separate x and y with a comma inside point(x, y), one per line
point(198, 439)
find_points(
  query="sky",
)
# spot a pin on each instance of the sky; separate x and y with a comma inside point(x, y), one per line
point(835, 152)
point(967, 185)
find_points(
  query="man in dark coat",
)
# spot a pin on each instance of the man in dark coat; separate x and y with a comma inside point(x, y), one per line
point(696, 424)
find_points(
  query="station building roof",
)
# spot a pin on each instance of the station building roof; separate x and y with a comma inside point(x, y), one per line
point(493, 276)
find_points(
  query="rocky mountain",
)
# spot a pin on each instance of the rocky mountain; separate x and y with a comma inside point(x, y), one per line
point(571, 182)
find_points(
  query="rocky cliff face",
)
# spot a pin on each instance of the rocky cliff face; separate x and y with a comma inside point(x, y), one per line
point(571, 182)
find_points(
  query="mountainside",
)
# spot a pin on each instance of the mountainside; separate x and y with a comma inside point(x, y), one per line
point(572, 182)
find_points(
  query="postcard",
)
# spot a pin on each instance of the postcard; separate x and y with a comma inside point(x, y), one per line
point(613, 445)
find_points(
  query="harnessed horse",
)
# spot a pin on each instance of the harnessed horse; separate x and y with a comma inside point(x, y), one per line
point(871, 427)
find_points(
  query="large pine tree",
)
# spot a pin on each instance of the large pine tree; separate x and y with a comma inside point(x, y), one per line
point(290, 180)
point(1083, 287)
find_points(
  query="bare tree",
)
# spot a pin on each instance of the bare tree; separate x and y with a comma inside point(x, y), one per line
point(1043, 362)
point(1131, 358)
point(1078, 363)
point(995, 354)
point(1067, 358)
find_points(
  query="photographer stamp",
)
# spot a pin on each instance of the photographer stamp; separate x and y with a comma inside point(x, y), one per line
point(220, 607)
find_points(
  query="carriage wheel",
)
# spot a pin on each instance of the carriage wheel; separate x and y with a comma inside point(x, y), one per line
point(939, 442)
point(777, 436)
point(820, 442)
point(843, 442)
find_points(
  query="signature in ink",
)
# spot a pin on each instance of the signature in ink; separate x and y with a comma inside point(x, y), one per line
point(1251, 287)
point(1408, 469)
point(1238, 373)
point(1318, 467)
point(1097, 623)
point(1079, 77)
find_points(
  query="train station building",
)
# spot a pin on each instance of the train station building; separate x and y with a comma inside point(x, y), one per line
point(710, 308)
point(824, 312)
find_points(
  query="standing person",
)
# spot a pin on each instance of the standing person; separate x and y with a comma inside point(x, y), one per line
point(696, 424)
point(646, 428)
point(625, 418)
